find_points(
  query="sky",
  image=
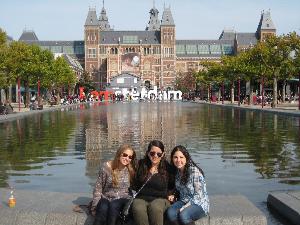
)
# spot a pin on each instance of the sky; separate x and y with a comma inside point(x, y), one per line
point(194, 19)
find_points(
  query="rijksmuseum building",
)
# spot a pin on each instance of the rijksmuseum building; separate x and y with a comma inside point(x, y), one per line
point(150, 57)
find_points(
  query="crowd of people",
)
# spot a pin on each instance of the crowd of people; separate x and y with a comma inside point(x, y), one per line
point(172, 191)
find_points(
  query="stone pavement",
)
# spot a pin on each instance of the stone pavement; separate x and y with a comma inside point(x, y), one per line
point(51, 208)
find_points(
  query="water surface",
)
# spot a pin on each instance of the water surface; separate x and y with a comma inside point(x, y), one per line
point(241, 152)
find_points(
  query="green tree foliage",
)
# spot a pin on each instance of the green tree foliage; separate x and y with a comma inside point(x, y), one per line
point(31, 64)
point(185, 82)
point(270, 60)
point(2, 38)
point(3, 50)
point(62, 74)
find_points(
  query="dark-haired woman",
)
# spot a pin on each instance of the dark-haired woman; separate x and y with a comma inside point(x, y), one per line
point(152, 201)
point(193, 202)
point(111, 190)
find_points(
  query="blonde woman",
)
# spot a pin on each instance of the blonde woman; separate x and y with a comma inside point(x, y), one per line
point(111, 188)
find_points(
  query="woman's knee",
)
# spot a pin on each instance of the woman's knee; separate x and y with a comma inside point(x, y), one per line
point(158, 207)
point(172, 214)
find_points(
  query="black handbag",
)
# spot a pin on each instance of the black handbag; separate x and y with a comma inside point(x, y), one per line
point(125, 211)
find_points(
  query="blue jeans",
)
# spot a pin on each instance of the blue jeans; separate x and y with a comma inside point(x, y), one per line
point(188, 215)
point(108, 212)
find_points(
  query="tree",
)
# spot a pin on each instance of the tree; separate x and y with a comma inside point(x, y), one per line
point(62, 74)
point(185, 82)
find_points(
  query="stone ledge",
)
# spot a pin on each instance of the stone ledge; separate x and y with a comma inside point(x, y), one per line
point(50, 208)
point(287, 204)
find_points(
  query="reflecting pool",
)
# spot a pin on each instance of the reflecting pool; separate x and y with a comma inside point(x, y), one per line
point(241, 152)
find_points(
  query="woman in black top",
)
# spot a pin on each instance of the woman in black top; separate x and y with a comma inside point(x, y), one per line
point(150, 204)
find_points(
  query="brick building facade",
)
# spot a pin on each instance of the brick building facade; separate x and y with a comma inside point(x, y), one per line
point(154, 54)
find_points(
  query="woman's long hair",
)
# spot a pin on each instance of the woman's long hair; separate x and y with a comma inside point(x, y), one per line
point(189, 163)
point(116, 163)
point(145, 164)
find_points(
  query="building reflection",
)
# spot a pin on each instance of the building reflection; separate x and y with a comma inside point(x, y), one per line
point(133, 123)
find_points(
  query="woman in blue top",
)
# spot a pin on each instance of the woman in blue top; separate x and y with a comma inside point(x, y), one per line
point(193, 202)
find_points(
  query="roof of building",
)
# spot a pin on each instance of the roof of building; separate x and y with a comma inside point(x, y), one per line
point(204, 48)
point(56, 43)
point(103, 20)
point(266, 22)
point(130, 37)
point(72, 62)
point(227, 35)
point(154, 22)
point(28, 35)
point(246, 38)
point(167, 18)
point(242, 38)
point(91, 19)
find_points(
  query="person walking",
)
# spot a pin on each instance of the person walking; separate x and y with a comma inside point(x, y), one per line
point(111, 190)
point(193, 202)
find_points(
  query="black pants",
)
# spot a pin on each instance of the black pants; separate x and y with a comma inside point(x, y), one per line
point(108, 212)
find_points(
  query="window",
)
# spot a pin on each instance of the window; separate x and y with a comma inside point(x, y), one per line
point(68, 49)
point(56, 49)
point(168, 52)
point(191, 49)
point(130, 40)
point(120, 80)
point(203, 49)
point(215, 49)
point(180, 49)
point(156, 50)
point(79, 50)
point(114, 51)
point(45, 47)
point(146, 51)
point(129, 50)
point(91, 53)
point(227, 49)
point(102, 50)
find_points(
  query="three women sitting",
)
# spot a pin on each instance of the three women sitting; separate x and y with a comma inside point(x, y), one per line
point(155, 179)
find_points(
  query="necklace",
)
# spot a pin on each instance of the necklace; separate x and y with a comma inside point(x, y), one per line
point(154, 170)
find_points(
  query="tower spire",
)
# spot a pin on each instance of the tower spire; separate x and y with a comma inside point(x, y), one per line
point(154, 23)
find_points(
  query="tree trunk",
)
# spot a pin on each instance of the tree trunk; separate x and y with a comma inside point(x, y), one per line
point(251, 94)
point(10, 94)
point(27, 93)
point(283, 91)
point(219, 94)
point(274, 105)
point(232, 92)
point(208, 94)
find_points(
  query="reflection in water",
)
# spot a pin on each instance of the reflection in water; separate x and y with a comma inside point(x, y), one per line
point(240, 151)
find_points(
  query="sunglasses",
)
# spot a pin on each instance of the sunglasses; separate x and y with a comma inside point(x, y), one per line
point(159, 154)
point(126, 155)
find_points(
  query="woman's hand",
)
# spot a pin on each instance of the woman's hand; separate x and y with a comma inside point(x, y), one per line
point(183, 207)
point(171, 198)
point(93, 211)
